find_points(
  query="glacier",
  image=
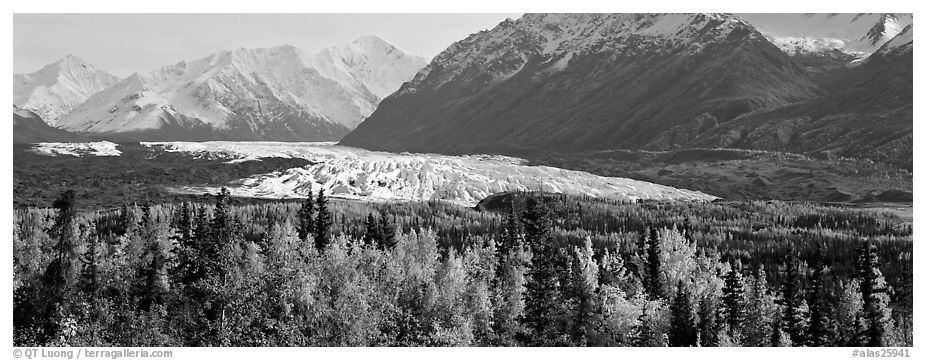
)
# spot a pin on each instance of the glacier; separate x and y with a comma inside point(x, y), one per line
point(353, 173)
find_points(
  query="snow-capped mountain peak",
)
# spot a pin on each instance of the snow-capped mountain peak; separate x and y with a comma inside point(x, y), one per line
point(887, 27)
point(370, 62)
point(504, 50)
point(54, 90)
point(900, 43)
point(210, 90)
point(277, 93)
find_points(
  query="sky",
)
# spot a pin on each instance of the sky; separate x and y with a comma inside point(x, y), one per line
point(126, 43)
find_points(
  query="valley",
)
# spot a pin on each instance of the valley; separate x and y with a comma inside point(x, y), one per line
point(280, 170)
point(626, 179)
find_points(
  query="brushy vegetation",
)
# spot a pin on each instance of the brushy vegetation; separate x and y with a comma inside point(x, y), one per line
point(749, 175)
point(520, 270)
point(140, 173)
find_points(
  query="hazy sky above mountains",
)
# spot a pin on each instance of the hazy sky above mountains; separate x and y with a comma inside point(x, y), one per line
point(126, 43)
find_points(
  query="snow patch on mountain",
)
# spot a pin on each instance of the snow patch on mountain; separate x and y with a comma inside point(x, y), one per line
point(504, 50)
point(562, 63)
point(798, 45)
point(57, 88)
point(353, 173)
point(854, 34)
point(24, 112)
point(99, 148)
point(901, 43)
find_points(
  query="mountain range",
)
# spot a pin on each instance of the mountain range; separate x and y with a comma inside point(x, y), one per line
point(575, 82)
point(570, 83)
point(824, 85)
point(275, 93)
point(867, 113)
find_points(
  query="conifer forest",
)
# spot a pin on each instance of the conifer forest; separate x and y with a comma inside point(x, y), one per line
point(520, 269)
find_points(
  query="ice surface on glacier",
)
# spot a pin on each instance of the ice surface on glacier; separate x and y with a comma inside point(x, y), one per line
point(99, 148)
point(352, 173)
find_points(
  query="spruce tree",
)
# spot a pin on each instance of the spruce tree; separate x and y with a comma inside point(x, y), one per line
point(512, 236)
point(63, 272)
point(708, 326)
point(795, 321)
point(508, 300)
point(654, 264)
point(200, 226)
point(686, 229)
point(191, 260)
point(543, 297)
point(305, 222)
point(371, 234)
point(185, 224)
point(818, 330)
point(213, 290)
point(125, 218)
point(877, 314)
point(848, 309)
point(583, 287)
point(90, 275)
point(222, 223)
point(220, 237)
point(90, 281)
point(904, 298)
point(860, 335)
point(154, 274)
point(734, 300)
point(323, 222)
point(645, 333)
point(761, 312)
point(684, 326)
point(388, 231)
point(642, 266)
point(146, 216)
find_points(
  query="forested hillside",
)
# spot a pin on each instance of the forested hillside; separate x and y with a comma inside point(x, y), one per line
point(518, 270)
